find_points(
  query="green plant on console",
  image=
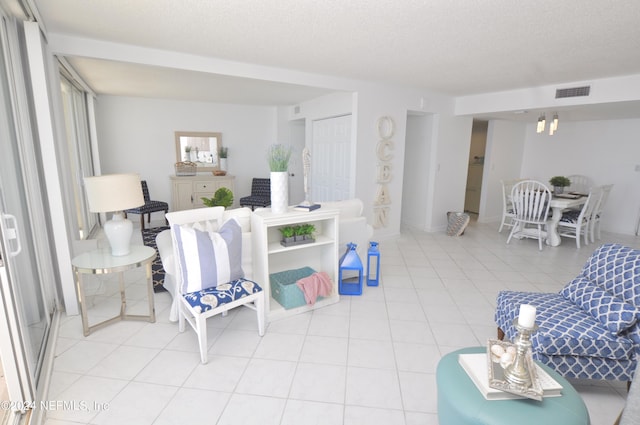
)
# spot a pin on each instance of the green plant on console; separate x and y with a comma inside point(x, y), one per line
point(287, 232)
point(223, 152)
point(278, 157)
point(223, 197)
point(307, 229)
point(560, 181)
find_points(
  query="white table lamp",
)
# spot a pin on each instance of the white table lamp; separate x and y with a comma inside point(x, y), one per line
point(115, 193)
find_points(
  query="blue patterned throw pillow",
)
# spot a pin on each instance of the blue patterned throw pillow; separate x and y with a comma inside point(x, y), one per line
point(611, 311)
point(206, 258)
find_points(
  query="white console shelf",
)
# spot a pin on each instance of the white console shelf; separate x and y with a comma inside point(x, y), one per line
point(271, 257)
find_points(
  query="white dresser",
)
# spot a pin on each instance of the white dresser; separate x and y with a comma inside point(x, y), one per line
point(187, 191)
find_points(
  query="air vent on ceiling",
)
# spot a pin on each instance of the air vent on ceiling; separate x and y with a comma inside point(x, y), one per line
point(573, 92)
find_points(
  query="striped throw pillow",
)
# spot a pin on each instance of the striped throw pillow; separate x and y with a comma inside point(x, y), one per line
point(207, 258)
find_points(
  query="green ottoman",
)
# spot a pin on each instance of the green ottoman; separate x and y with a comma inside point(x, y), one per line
point(460, 402)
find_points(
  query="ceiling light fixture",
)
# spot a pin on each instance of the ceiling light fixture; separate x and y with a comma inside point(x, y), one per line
point(553, 127)
point(541, 124)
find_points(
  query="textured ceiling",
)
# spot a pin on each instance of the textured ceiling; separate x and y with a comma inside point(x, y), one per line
point(457, 47)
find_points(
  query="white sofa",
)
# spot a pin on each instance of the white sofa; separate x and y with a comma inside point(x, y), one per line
point(213, 214)
point(353, 227)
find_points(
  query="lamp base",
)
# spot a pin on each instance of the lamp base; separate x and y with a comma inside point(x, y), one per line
point(119, 231)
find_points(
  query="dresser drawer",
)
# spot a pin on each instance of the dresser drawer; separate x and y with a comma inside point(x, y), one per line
point(205, 186)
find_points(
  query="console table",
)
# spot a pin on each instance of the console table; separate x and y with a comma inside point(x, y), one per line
point(100, 261)
point(187, 191)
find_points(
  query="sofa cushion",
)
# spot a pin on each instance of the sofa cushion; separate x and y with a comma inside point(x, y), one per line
point(207, 258)
point(563, 328)
point(612, 312)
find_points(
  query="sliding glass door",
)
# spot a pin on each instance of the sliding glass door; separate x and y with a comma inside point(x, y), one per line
point(27, 275)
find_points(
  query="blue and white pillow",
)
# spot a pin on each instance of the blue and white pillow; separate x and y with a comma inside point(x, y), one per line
point(208, 258)
point(616, 314)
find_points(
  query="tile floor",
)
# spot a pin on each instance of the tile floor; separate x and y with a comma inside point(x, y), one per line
point(369, 359)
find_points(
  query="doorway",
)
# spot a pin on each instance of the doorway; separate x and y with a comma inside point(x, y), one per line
point(476, 166)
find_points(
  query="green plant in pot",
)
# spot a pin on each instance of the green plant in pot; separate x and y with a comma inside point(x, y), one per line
point(559, 183)
point(223, 152)
point(278, 157)
point(288, 234)
point(222, 197)
point(307, 230)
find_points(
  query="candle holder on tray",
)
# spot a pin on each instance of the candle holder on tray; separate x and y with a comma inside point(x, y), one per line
point(511, 366)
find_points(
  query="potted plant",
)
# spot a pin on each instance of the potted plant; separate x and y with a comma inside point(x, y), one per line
point(559, 183)
point(222, 197)
point(278, 158)
point(297, 234)
point(288, 235)
point(223, 154)
point(307, 230)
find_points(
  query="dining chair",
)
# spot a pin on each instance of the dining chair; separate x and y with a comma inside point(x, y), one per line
point(531, 206)
point(575, 223)
point(579, 184)
point(507, 205)
point(149, 206)
point(594, 227)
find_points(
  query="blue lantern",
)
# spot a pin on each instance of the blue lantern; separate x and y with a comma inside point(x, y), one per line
point(350, 272)
point(373, 264)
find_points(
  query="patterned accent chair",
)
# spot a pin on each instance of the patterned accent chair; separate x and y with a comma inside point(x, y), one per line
point(260, 194)
point(148, 207)
point(590, 328)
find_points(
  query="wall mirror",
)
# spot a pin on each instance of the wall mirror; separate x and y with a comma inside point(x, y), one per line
point(199, 147)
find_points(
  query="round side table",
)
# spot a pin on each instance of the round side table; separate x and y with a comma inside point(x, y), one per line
point(100, 261)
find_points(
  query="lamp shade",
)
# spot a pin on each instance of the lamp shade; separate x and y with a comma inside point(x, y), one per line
point(113, 192)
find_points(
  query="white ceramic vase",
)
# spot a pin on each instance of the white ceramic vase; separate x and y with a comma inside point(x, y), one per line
point(223, 164)
point(279, 192)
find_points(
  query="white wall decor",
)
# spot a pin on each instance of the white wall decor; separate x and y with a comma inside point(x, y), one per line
point(384, 154)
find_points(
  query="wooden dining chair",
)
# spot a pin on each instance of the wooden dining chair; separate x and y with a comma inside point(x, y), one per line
point(576, 223)
point(594, 228)
point(579, 184)
point(531, 206)
point(507, 205)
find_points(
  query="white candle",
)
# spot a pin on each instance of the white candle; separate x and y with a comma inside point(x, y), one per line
point(527, 316)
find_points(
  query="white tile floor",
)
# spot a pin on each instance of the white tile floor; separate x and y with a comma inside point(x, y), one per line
point(369, 359)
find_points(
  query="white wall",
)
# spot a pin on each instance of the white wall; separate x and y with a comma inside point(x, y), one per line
point(503, 161)
point(137, 135)
point(606, 151)
point(454, 139)
point(417, 171)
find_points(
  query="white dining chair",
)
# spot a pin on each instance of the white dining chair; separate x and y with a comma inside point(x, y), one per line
point(594, 227)
point(579, 184)
point(531, 205)
point(507, 205)
point(575, 223)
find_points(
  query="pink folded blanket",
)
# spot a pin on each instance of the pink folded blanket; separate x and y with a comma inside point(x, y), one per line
point(318, 284)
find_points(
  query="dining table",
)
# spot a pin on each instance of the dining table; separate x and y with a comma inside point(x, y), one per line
point(558, 204)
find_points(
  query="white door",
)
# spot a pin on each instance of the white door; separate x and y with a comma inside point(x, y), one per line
point(331, 168)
